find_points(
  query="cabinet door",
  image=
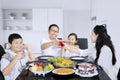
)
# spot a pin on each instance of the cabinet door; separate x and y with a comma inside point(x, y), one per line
point(55, 16)
point(40, 20)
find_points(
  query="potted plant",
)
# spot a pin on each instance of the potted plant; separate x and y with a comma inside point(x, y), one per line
point(24, 15)
point(12, 15)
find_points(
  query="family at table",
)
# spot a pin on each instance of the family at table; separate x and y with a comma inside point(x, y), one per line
point(18, 54)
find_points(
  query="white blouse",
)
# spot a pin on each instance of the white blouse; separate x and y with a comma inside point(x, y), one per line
point(105, 61)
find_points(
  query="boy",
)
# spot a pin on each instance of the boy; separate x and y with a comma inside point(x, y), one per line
point(15, 57)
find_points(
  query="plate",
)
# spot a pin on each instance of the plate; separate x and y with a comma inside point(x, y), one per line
point(45, 57)
point(77, 58)
point(41, 68)
point(86, 75)
point(86, 70)
point(39, 72)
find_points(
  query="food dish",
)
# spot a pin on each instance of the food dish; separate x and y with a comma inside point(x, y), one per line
point(39, 72)
point(86, 70)
point(86, 75)
point(41, 68)
point(64, 63)
point(61, 62)
point(63, 71)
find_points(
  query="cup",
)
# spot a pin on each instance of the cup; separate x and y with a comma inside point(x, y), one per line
point(61, 43)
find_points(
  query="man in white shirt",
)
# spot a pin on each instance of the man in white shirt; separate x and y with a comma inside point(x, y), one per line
point(50, 46)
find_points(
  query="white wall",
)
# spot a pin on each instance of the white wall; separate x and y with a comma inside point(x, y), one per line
point(65, 4)
point(78, 22)
point(107, 11)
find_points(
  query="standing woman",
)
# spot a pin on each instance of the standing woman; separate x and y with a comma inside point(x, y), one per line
point(105, 52)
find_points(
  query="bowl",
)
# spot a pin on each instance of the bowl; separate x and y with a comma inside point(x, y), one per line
point(57, 65)
point(63, 62)
point(63, 73)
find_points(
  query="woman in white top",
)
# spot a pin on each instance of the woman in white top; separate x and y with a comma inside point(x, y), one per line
point(105, 52)
point(15, 57)
point(71, 48)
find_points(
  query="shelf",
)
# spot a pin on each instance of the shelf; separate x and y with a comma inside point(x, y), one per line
point(18, 22)
point(17, 19)
point(17, 28)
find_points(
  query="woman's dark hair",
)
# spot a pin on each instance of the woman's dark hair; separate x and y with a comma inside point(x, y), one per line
point(103, 39)
point(52, 26)
point(13, 36)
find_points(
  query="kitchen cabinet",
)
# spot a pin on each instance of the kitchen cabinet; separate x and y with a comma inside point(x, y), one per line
point(17, 19)
point(39, 19)
point(36, 20)
point(55, 16)
point(42, 18)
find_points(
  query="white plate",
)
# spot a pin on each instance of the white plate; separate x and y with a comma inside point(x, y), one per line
point(45, 57)
point(39, 72)
point(77, 58)
point(87, 75)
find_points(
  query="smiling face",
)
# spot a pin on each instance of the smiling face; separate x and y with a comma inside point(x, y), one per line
point(72, 40)
point(93, 37)
point(53, 32)
point(16, 45)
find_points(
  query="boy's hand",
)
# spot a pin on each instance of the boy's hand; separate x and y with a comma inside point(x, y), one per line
point(20, 54)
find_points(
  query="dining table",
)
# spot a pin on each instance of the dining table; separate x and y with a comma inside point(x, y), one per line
point(26, 74)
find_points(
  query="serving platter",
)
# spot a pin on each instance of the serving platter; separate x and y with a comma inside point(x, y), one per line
point(62, 62)
point(86, 70)
point(41, 68)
